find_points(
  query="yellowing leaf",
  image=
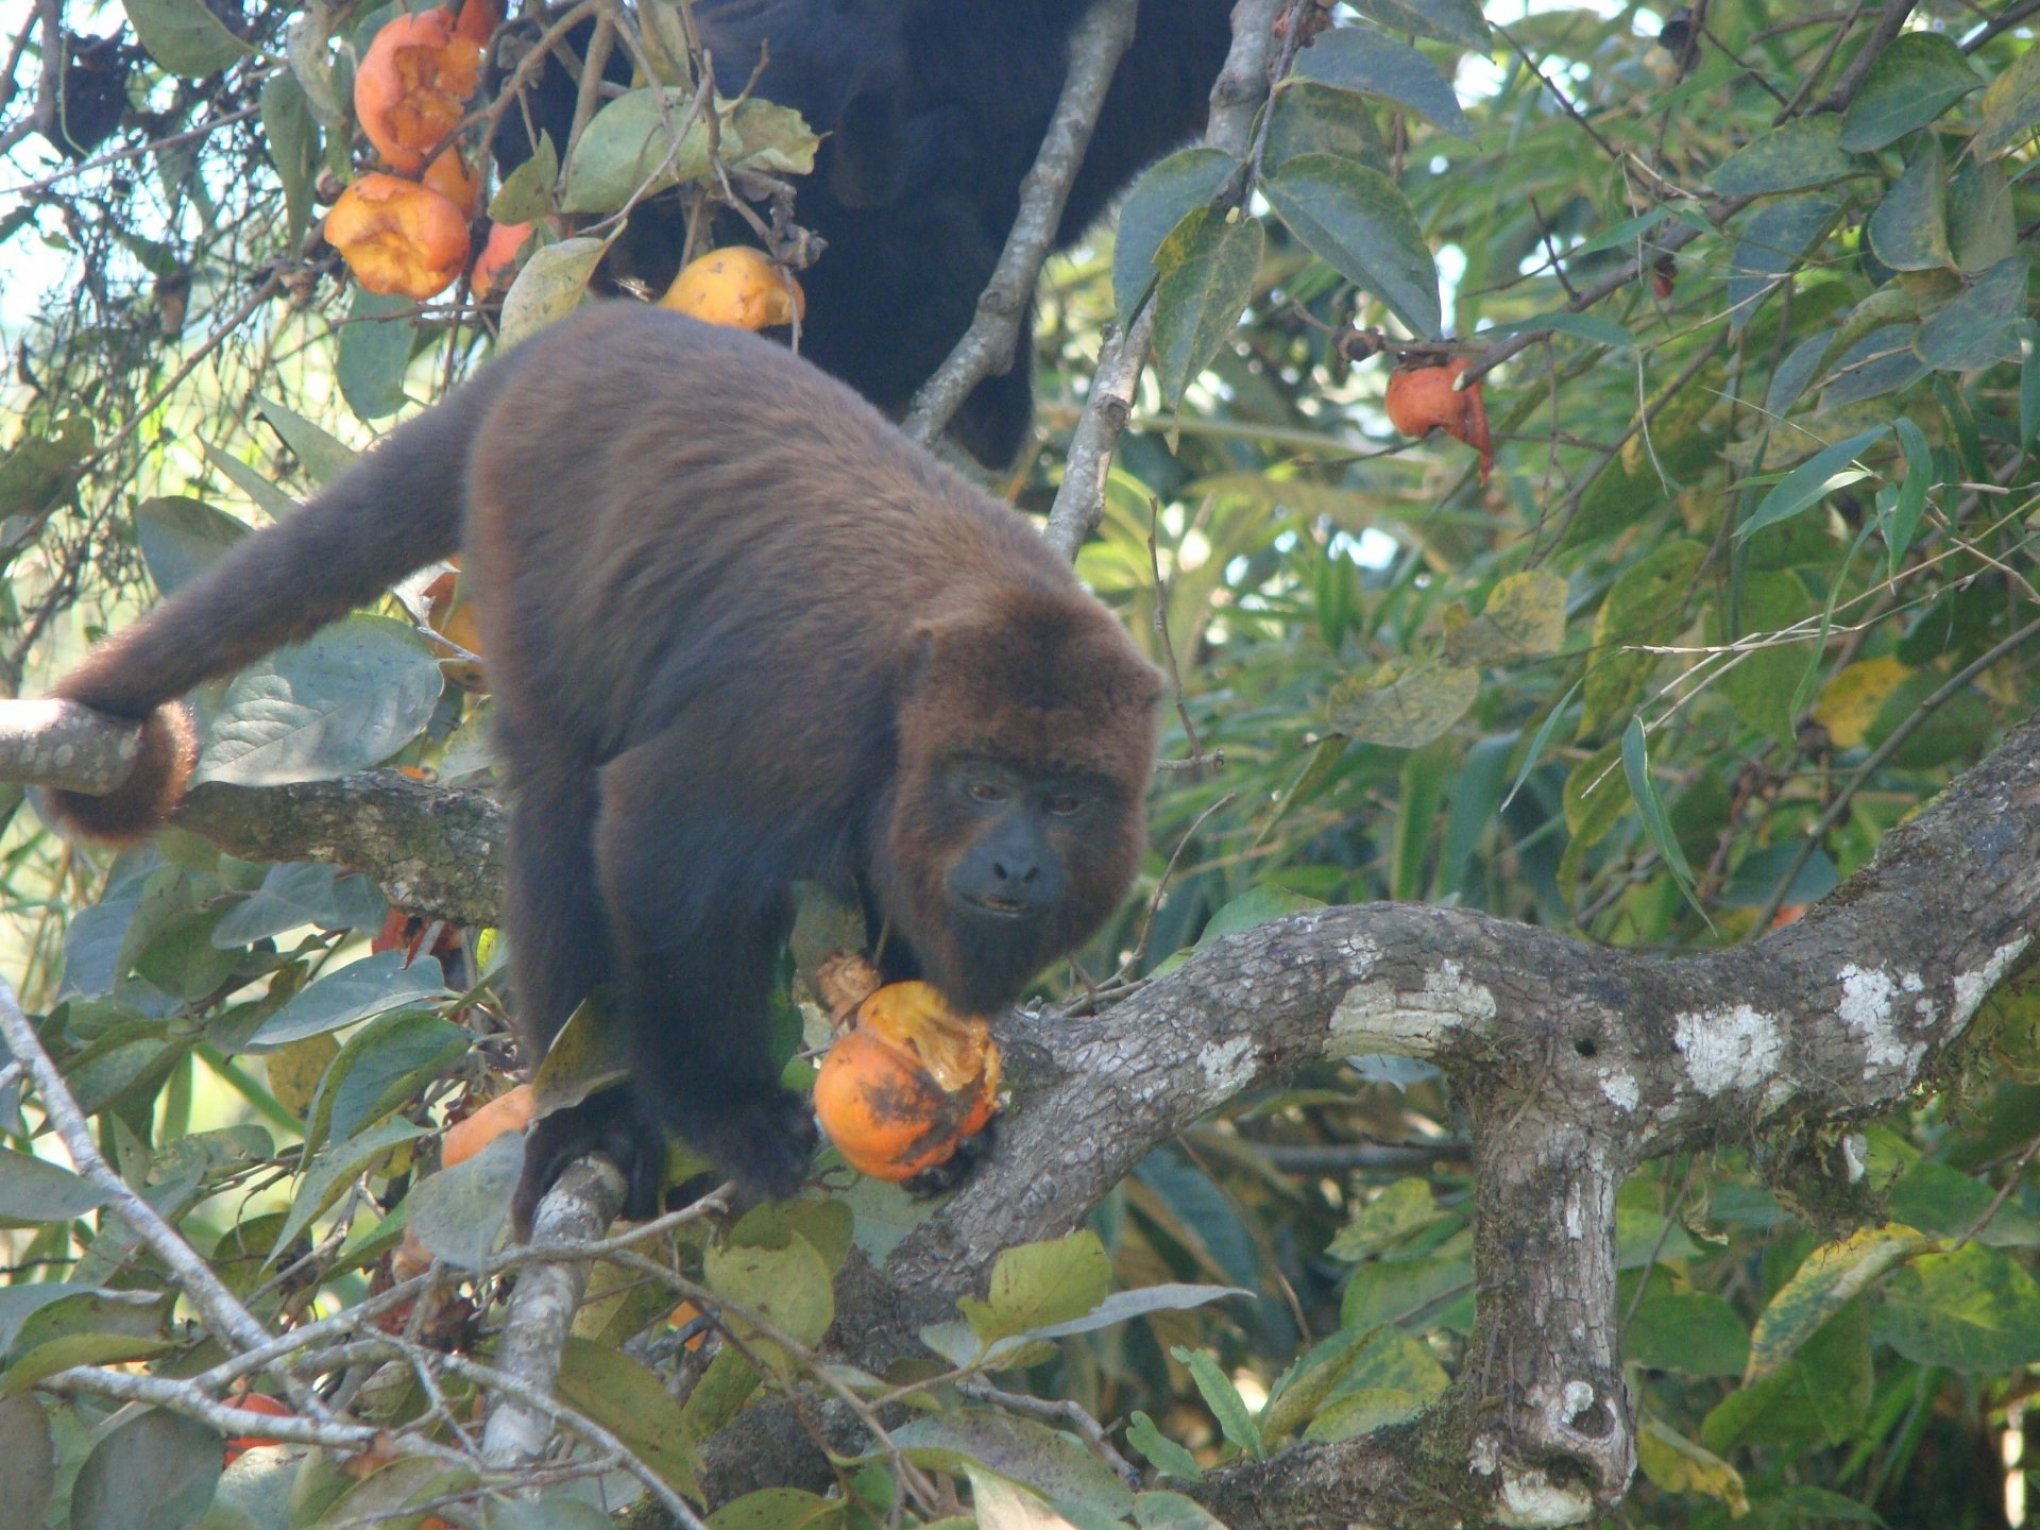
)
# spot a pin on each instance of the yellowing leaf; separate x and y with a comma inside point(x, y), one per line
point(1679, 1465)
point(1831, 1276)
point(1524, 619)
point(1852, 700)
point(294, 1071)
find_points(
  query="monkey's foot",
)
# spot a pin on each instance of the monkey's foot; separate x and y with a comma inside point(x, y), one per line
point(608, 1124)
point(941, 1178)
point(763, 1141)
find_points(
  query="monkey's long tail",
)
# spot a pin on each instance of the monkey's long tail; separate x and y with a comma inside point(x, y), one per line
point(396, 509)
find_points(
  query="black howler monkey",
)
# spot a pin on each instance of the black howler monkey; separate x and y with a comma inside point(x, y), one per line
point(741, 632)
point(934, 111)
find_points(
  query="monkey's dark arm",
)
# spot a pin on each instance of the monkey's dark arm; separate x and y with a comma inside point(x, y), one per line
point(397, 508)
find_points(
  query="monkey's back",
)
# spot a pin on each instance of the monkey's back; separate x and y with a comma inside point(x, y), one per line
point(678, 526)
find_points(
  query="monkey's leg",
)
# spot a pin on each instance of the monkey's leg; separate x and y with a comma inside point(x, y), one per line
point(695, 899)
point(559, 952)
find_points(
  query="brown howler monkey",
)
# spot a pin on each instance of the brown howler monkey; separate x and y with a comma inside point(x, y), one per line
point(741, 632)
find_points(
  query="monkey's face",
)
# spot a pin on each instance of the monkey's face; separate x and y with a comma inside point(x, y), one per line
point(994, 869)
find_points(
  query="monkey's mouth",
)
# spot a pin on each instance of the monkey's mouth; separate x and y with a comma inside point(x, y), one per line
point(999, 908)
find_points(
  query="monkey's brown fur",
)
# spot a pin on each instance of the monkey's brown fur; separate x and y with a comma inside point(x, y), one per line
point(740, 632)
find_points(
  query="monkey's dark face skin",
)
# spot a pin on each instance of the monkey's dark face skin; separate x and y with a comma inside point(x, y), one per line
point(1028, 867)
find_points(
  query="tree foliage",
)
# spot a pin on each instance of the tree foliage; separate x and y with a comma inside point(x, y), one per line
point(1746, 292)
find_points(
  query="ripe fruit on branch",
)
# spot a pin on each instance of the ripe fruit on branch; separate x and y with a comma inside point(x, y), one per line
point(1422, 399)
point(497, 266)
point(510, 1111)
point(901, 1091)
point(413, 86)
point(736, 286)
point(397, 236)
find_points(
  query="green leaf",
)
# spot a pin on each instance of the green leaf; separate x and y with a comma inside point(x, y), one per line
point(1364, 60)
point(297, 893)
point(549, 287)
point(1981, 229)
point(376, 345)
point(329, 1175)
point(184, 36)
point(1760, 684)
point(1171, 1511)
point(346, 698)
point(182, 538)
point(34, 1190)
point(407, 1483)
point(1392, 1378)
point(1162, 1453)
point(1827, 1280)
point(1911, 502)
point(1357, 222)
point(157, 1469)
point(1446, 21)
point(1909, 229)
point(1973, 1310)
point(374, 985)
point(293, 136)
point(1404, 704)
point(1072, 1479)
point(1636, 767)
point(629, 1401)
point(777, 1508)
point(1404, 1290)
point(1646, 604)
point(2011, 105)
point(379, 1069)
point(36, 1361)
point(772, 139)
point(1695, 1332)
point(1981, 326)
point(1524, 618)
point(30, 1454)
point(1774, 239)
point(1590, 327)
point(1166, 194)
point(1918, 76)
point(1034, 1285)
point(35, 470)
point(462, 1213)
point(1806, 151)
point(630, 148)
point(789, 1287)
point(526, 193)
point(1319, 119)
point(1224, 1400)
point(1830, 468)
point(1402, 1209)
point(323, 455)
point(1207, 268)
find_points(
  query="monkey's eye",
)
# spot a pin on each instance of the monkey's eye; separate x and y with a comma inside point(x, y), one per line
point(1066, 804)
point(985, 791)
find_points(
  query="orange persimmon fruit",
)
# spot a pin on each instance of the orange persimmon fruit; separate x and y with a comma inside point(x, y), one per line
point(510, 1111)
point(254, 1402)
point(413, 86)
point(901, 1091)
point(498, 262)
point(453, 617)
point(1422, 399)
point(737, 286)
point(398, 237)
point(449, 175)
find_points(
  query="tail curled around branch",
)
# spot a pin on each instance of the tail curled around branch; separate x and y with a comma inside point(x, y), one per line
point(397, 509)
